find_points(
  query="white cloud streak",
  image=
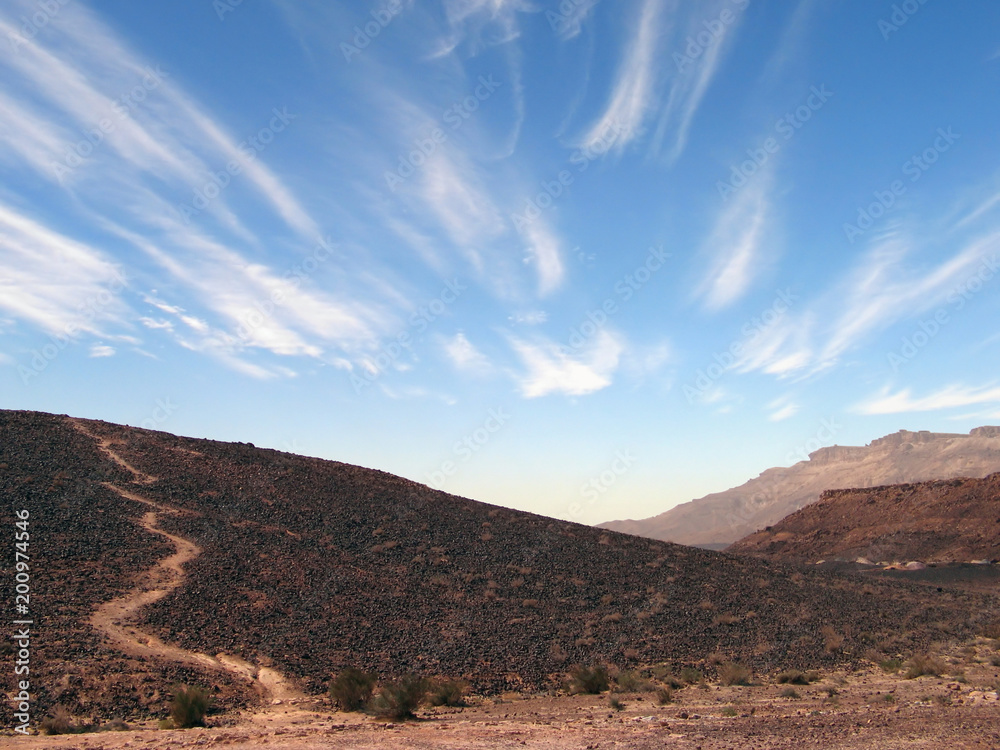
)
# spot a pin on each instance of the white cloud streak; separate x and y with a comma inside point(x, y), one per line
point(551, 368)
point(949, 397)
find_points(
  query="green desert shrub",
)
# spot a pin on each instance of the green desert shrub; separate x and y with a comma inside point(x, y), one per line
point(731, 673)
point(591, 680)
point(664, 696)
point(447, 692)
point(616, 703)
point(691, 676)
point(398, 700)
point(632, 682)
point(189, 706)
point(352, 689)
point(60, 722)
point(891, 665)
point(796, 677)
point(923, 664)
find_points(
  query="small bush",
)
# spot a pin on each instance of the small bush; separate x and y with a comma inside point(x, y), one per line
point(447, 692)
point(667, 677)
point(891, 665)
point(790, 692)
point(631, 682)
point(923, 664)
point(592, 680)
point(60, 722)
point(992, 630)
point(397, 700)
point(691, 676)
point(616, 703)
point(833, 642)
point(664, 696)
point(731, 673)
point(116, 725)
point(792, 677)
point(729, 711)
point(189, 706)
point(352, 689)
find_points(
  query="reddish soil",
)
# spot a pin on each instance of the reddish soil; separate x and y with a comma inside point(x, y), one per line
point(956, 520)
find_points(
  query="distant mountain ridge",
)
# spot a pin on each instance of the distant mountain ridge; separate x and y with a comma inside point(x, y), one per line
point(721, 518)
point(949, 520)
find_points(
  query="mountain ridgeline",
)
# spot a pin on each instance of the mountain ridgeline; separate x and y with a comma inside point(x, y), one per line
point(719, 519)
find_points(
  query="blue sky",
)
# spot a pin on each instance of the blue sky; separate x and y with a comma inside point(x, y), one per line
point(587, 259)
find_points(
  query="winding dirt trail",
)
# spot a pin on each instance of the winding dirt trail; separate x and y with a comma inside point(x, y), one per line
point(114, 618)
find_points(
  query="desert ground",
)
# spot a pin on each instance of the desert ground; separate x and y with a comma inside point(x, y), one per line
point(868, 709)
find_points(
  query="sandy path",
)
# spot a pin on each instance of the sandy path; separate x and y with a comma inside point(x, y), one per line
point(114, 618)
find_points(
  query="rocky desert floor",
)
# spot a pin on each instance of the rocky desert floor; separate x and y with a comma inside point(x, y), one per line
point(864, 709)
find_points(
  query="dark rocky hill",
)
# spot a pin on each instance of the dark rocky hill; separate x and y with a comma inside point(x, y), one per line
point(308, 566)
point(956, 520)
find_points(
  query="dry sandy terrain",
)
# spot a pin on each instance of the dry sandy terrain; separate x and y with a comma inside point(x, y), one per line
point(927, 712)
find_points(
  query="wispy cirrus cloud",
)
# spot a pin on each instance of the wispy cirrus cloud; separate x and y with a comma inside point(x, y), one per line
point(653, 85)
point(736, 246)
point(781, 409)
point(128, 147)
point(465, 356)
point(884, 286)
point(882, 289)
point(56, 282)
point(950, 397)
point(551, 368)
point(633, 96)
